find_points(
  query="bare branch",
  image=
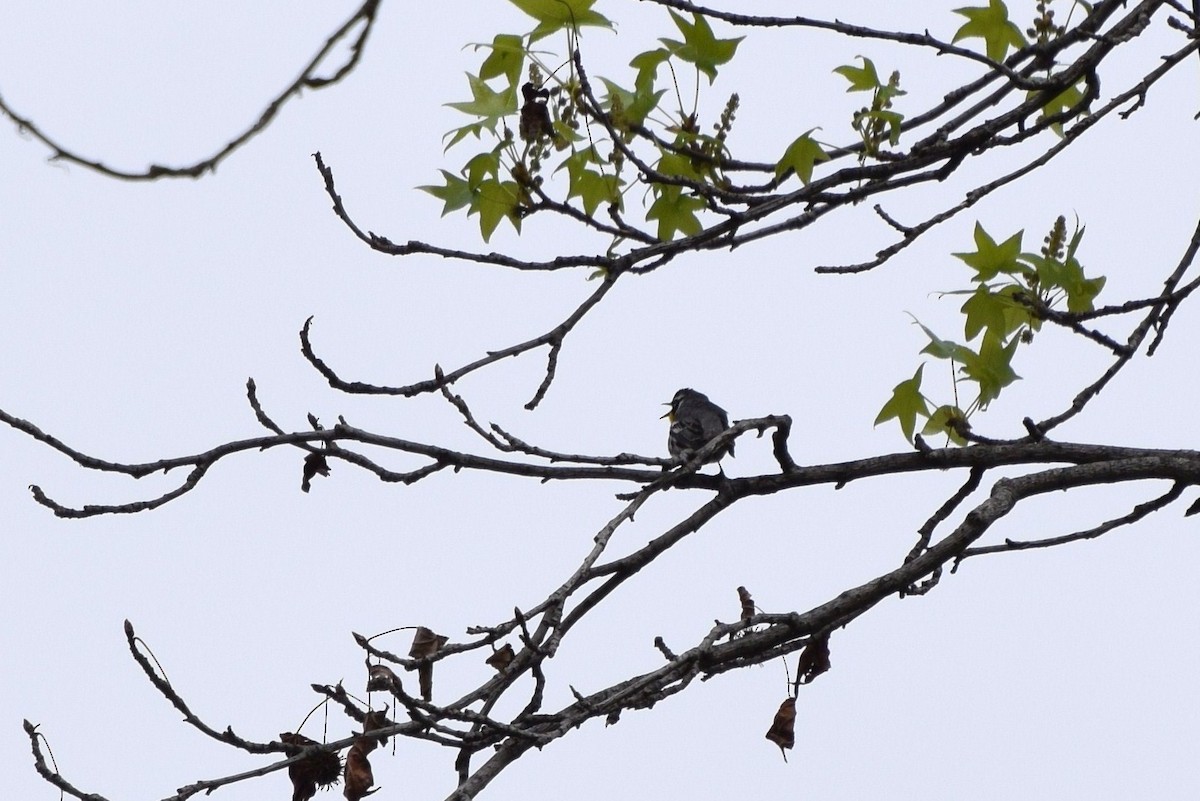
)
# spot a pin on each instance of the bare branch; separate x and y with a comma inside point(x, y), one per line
point(163, 686)
point(1139, 512)
point(363, 19)
point(553, 338)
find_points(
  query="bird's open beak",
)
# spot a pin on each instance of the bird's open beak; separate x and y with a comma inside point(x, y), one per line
point(668, 414)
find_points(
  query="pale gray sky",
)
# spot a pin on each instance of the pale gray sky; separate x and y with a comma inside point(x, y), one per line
point(132, 314)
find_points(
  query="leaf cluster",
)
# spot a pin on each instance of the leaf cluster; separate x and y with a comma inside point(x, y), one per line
point(1013, 293)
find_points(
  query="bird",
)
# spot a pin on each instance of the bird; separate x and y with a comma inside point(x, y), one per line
point(695, 420)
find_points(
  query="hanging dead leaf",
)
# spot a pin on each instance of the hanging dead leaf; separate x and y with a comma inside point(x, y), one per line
point(376, 719)
point(814, 660)
point(358, 775)
point(426, 644)
point(314, 465)
point(381, 678)
point(318, 769)
point(535, 115)
point(425, 680)
point(747, 603)
point(782, 731)
point(501, 658)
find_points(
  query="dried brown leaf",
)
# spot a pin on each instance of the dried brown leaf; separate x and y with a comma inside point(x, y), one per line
point(425, 681)
point(376, 719)
point(535, 116)
point(381, 678)
point(426, 644)
point(358, 775)
point(782, 731)
point(747, 603)
point(814, 660)
point(314, 465)
point(501, 658)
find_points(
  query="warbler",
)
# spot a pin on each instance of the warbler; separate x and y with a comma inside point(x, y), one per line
point(695, 420)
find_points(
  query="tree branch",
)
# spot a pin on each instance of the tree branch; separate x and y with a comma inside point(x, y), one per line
point(308, 79)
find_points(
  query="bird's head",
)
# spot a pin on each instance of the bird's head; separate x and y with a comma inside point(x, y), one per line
point(680, 396)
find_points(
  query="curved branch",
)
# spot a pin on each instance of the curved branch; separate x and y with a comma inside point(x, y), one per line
point(1133, 343)
point(308, 79)
point(1139, 512)
point(862, 32)
point(552, 338)
point(163, 686)
point(385, 245)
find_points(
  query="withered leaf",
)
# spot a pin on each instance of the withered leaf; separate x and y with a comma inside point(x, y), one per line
point(358, 775)
point(425, 681)
point(426, 644)
point(314, 465)
point(298, 742)
point(747, 603)
point(782, 731)
point(814, 660)
point(535, 116)
point(376, 719)
point(502, 657)
point(320, 768)
point(381, 678)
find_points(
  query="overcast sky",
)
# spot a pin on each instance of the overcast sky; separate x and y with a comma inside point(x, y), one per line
point(131, 315)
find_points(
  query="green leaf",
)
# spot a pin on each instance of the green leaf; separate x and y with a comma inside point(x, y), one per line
point(985, 310)
point(1064, 101)
point(679, 165)
point(862, 79)
point(676, 213)
point(905, 404)
point(1081, 291)
point(507, 58)
point(554, 15)
point(456, 192)
point(630, 108)
point(1016, 313)
point(888, 92)
point(940, 348)
point(1081, 296)
point(800, 157)
point(700, 46)
point(942, 422)
point(990, 259)
point(493, 201)
point(891, 120)
point(991, 24)
point(1067, 275)
point(565, 135)
point(481, 166)
point(991, 368)
point(591, 186)
point(1076, 238)
point(647, 65)
point(487, 104)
